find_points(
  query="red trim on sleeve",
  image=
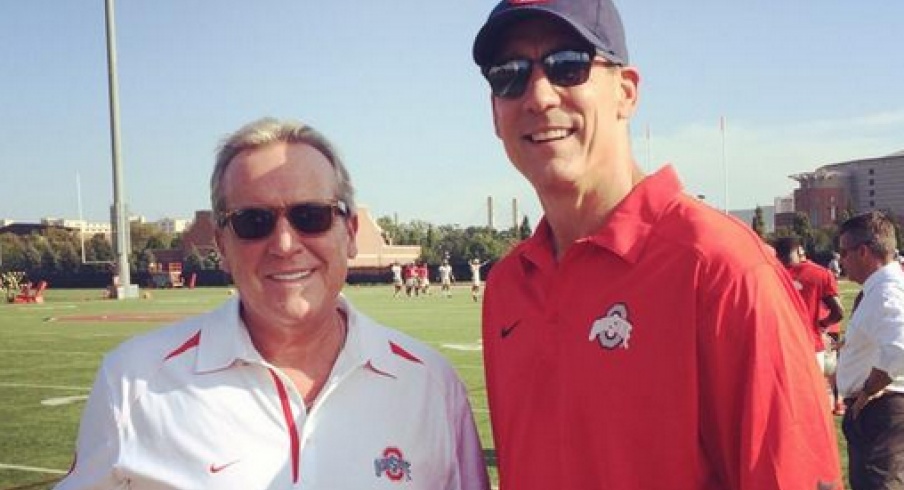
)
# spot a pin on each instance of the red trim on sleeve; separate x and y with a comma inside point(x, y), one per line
point(403, 353)
point(290, 423)
point(192, 342)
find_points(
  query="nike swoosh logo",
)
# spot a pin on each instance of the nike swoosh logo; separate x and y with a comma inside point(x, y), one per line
point(506, 331)
point(216, 469)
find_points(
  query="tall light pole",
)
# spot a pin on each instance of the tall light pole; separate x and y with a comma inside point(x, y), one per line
point(125, 289)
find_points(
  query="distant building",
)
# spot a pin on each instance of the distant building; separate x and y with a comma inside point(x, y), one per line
point(25, 229)
point(784, 211)
point(172, 225)
point(200, 234)
point(89, 228)
point(374, 251)
point(858, 186)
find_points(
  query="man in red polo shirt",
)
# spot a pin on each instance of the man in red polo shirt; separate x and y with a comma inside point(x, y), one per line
point(819, 290)
point(639, 339)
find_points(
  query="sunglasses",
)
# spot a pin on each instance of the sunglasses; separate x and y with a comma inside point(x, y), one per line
point(308, 218)
point(564, 68)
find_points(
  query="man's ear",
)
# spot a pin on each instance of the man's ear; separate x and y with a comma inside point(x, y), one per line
point(219, 242)
point(351, 225)
point(495, 124)
point(629, 91)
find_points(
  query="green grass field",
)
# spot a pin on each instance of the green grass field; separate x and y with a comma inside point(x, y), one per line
point(48, 361)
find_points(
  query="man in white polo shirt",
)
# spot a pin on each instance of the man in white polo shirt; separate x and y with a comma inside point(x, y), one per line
point(870, 373)
point(287, 385)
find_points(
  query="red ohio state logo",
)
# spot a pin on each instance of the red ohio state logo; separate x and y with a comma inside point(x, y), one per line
point(393, 464)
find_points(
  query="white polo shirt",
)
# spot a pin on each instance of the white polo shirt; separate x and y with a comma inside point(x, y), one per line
point(875, 333)
point(195, 406)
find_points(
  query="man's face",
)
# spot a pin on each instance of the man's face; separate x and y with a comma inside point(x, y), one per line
point(854, 257)
point(563, 138)
point(798, 255)
point(286, 278)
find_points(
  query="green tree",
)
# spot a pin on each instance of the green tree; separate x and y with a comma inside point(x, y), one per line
point(211, 261)
point(98, 249)
point(145, 259)
point(525, 231)
point(802, 228)
point(192, 262)
point(70, 260)
point(11, 253)
point(759, 224)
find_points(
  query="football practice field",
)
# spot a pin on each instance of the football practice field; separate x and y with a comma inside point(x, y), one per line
point(49, 354)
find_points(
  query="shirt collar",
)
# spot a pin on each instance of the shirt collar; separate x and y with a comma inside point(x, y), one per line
point(225, 341)
point(888, 272)
point(628, 226)
point(368, 345)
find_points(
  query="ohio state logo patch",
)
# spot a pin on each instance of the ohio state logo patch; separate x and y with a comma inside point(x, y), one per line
point(393, 464)
point(612, 330)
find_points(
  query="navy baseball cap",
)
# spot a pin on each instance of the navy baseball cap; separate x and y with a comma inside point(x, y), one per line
point(597, 21)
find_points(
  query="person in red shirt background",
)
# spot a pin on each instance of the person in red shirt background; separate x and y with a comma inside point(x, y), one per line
point(819, 290)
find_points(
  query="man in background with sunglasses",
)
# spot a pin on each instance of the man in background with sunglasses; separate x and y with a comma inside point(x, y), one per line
point(286, 385)
point(639, 339)
point(870, 372)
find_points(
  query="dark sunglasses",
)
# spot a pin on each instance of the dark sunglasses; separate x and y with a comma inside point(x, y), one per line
point(308, 218)
point(565, 68)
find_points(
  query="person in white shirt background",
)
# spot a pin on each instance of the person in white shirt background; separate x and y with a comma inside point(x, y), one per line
point(287, 385)
point(870, 372)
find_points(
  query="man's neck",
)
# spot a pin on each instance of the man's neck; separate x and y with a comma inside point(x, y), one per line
point(579, 213)
point(298, 346)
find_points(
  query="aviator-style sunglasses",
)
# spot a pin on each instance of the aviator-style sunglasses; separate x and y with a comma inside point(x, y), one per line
point(308, 218)
point(565, 68)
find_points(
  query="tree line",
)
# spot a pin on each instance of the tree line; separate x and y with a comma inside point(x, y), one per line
point(64, 258)
point(58, 255)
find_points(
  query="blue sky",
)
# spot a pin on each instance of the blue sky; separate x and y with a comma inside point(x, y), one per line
point(800, 83)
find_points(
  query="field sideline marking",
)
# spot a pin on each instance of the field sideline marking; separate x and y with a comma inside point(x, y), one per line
point(63, 400)
point(33, 469)
point(59, 306)
point(44, 387)
point(36, 351)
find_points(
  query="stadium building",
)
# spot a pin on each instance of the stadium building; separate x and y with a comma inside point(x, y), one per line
point(857, 186)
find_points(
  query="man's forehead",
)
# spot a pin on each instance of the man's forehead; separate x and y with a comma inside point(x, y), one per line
point(538, 31)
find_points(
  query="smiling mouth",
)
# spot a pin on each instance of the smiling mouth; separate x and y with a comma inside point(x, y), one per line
point(290, 276)
point(549, 135)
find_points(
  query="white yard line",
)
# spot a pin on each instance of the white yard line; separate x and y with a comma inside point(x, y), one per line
point(464, 347)
point(44, 387)
point(39, 308)
point(54, 352)
point(63, 400)
point(33, 469)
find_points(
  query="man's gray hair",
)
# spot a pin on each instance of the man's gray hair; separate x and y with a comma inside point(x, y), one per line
point(267, 131)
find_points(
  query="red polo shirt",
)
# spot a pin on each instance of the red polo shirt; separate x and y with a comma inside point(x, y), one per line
point(814, 283)
point(665, 351)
